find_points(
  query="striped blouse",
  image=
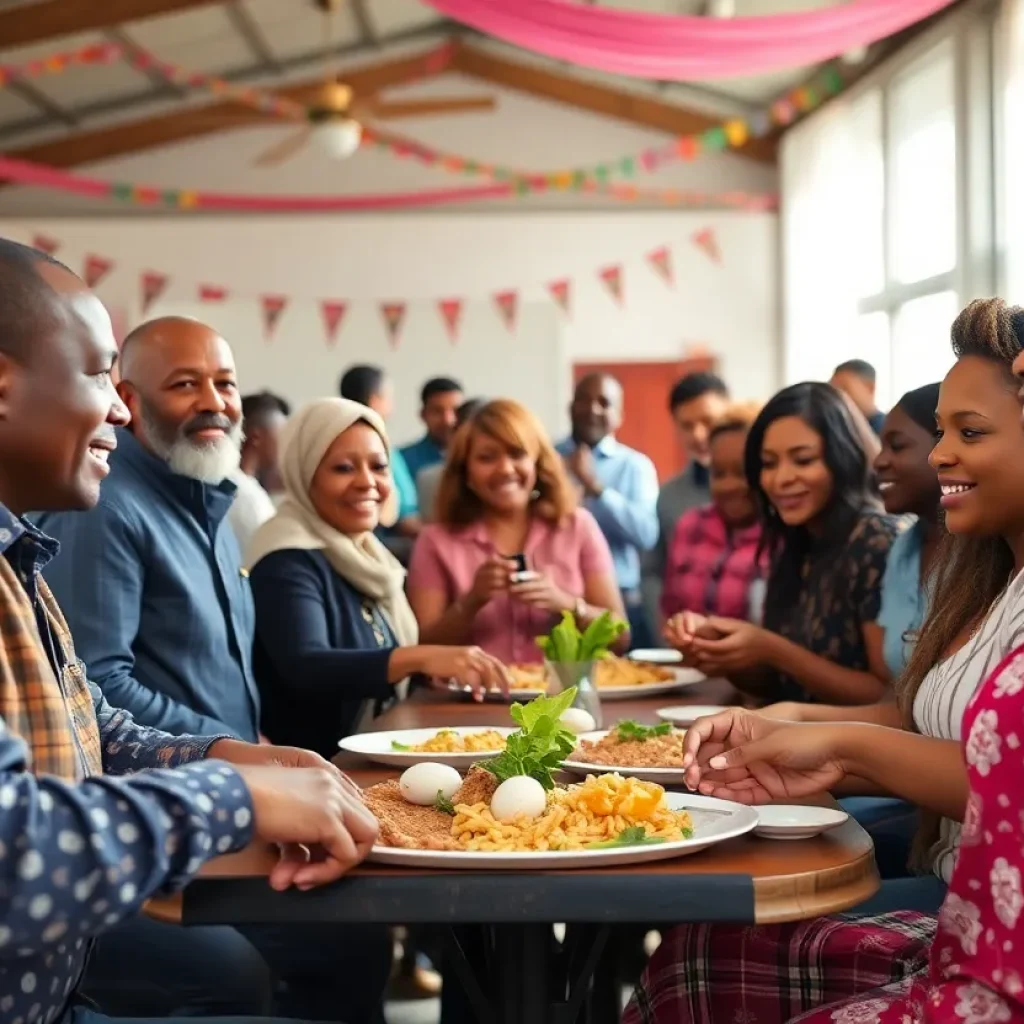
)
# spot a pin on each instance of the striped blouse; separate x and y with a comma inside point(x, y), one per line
point(948, 687)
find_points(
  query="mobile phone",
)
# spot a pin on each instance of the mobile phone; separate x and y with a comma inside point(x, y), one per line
point(520, 560)
point(524, 577)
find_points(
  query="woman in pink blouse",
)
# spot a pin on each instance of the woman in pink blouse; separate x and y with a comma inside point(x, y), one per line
point(505, 493)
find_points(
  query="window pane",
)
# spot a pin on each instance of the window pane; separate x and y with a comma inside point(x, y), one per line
point(864, 200)
point(871, 342)
point(921, 352)
point(923, 147)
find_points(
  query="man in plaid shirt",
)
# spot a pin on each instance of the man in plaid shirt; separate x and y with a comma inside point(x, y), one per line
point(80, 849)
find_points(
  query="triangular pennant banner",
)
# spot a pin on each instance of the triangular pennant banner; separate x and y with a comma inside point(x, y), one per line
point(212, 293)
point(394, 314)
point(707, 241)
point(612, 277)
point(333, 313)
point(451, 313)
point(96, 268)
point(560, 293)
point(273, 307)
point(45, 244)
point(661, 260)
point(153, 285)
point(507, 303)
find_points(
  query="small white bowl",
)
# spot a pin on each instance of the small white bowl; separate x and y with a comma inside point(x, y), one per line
point(656, 655)
point(687, 714)
point(796, 821)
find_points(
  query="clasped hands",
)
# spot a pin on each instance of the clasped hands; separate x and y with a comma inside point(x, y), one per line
point(539, 591)
point(717, 645)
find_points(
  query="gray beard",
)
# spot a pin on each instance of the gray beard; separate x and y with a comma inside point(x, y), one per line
point(209, 462)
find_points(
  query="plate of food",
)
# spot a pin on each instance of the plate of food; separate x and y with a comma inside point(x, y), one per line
point(615, 678)
point(649, 752)
point(508, 813)
point(457, 747)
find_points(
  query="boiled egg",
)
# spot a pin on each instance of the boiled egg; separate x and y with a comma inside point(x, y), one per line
point(421, 783)
point(518, 795)
point(577, 720)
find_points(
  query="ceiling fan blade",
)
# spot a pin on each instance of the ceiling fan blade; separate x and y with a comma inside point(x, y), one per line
point(392, 110)
point(281, 151)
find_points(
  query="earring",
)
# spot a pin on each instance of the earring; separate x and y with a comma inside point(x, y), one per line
point(534, 494)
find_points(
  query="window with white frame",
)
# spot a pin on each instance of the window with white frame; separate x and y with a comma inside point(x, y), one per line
point(879, 222)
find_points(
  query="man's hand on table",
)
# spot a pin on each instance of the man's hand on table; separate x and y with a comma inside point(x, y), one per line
point(316, 815)
point(310, 861)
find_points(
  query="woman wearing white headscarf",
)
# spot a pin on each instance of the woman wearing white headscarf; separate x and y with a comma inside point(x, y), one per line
point(333, 626)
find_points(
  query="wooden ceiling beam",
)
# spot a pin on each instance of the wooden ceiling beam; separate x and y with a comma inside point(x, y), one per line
point(34, 23)
point(646, 111)
point(179, 125)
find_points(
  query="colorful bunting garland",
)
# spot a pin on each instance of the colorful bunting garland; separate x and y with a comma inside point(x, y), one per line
point(451, 314)
point(507, 303)
point(333, 313)
point(153, 285)
point(273, 306)
point(612, 278)
point(394, 315)
point(731, 133)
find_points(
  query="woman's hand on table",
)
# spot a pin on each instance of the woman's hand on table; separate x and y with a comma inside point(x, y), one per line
point(541, 592)
point(237, 752)
point(742, 755)
point(470, 666)
point(312, 808)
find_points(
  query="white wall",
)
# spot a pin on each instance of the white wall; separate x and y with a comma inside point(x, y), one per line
point(729, 308)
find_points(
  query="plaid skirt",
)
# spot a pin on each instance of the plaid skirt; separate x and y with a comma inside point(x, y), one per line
point(725, 974)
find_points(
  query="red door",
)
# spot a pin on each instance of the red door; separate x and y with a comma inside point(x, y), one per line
point(647, 423)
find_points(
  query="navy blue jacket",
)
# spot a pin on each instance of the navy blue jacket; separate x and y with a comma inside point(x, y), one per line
point(152, 585)
point(322, 649)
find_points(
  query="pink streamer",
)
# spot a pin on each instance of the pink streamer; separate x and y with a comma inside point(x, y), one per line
point(64, 181)
point(685, 48)
point(41, 176)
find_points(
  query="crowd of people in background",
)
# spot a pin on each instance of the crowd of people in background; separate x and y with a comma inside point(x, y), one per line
point(200, 594)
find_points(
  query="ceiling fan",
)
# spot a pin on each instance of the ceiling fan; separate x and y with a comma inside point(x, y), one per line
point(334, 120)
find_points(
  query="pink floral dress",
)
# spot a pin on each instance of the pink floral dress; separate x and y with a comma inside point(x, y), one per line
point(974, 972)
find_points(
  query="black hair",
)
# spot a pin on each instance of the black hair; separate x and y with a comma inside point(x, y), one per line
point(822, 408)
point(859, 368)
point(24, 297)
point(258, 408)
point(695, 385)
point(438, 386)
point(468, 410)
point(920, 405)
point(361, 383)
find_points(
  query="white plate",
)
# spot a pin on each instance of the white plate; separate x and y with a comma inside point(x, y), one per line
point(796, 821)
point(683, 677)
point(688, 714)
point(663, 776)
point(714, 821)
point(657, 655)
point(377, 746)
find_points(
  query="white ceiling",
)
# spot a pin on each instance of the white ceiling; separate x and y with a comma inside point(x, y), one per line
point(272, 42)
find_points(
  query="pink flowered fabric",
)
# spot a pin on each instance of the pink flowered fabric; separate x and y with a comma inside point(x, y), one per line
point(881, 970)
point(975, 973)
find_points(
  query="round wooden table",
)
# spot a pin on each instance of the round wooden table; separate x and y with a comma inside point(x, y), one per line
point(746, 880)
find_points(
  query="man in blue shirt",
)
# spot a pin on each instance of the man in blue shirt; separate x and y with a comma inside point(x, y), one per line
point(83, 851)
point(620, 487)
point(439, 400)
point(153, 587)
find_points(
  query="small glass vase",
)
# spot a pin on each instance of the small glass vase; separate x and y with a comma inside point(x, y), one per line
point(565, 674)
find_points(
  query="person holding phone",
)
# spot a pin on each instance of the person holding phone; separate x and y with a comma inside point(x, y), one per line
point(512, 549)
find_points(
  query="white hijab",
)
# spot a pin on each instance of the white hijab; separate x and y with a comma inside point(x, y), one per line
point(361, 560)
